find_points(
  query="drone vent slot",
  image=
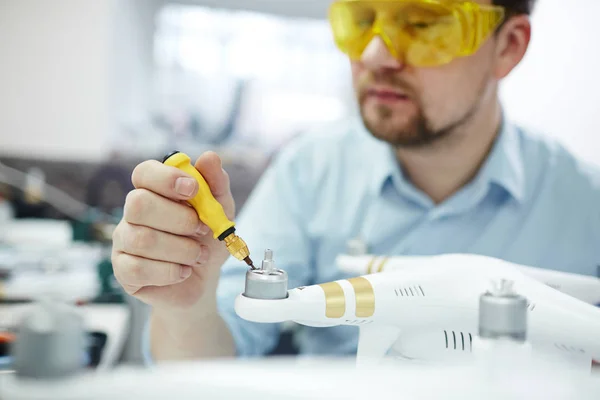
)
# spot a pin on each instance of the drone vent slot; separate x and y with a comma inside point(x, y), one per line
point(470, 342)
point(570, 349)
point(410, 291)
point(456, 343)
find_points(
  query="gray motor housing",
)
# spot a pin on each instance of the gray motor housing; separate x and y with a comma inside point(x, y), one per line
point(268, 282)
point(270, 286)
point(50, 342)
point(503, 313)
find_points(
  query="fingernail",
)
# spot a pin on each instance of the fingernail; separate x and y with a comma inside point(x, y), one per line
point(185, 271)
point(185, 186)
point(202, 229)
point(203, 256)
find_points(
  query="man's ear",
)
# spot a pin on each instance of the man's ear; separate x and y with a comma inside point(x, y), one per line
point(511, 44)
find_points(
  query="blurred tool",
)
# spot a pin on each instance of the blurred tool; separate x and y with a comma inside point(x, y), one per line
point(7, 339)
point(429, 310)
point(35, 182)
point(36, 189)
point(7, 212)
point(210, 210)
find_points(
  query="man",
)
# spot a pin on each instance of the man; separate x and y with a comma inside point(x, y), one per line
point(432, 168)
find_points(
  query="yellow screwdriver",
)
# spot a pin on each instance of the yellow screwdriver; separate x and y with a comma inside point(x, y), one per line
point(209, 210)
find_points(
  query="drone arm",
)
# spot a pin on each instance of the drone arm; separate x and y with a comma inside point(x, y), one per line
point(307, 304)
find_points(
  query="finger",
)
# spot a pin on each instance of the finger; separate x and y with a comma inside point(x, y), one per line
point(210, 166)
point(143, 207)
point(180, 295)
point(138, 271)
point(150, 243)
point(203, 229)
point(165, 180)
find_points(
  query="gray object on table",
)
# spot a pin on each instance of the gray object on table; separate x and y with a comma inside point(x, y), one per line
point(50, 343)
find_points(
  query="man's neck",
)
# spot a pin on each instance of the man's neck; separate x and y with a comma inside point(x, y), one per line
point(443, 168)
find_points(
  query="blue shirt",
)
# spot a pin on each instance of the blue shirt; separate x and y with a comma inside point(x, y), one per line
point(532, 203)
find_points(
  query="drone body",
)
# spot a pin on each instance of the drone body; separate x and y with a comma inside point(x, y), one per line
point(584, 288)
point(432, 302)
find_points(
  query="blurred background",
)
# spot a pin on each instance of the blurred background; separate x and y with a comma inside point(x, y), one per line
point(88, 89)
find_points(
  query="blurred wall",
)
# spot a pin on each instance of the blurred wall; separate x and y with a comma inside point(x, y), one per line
point(71, 72)
point(74, 73)
point(55, 78)
point(132, 38)
point(556, 87)
point(316, 9)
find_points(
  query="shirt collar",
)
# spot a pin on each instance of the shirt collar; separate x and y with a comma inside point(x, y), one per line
point(503, 167)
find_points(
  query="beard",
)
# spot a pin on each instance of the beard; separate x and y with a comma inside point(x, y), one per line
point(418, 130)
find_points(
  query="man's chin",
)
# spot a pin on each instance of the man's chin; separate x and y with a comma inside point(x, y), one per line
point(398, 135)
point(400, 140)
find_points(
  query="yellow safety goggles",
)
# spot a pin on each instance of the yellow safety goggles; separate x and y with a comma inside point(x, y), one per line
point(421, 33)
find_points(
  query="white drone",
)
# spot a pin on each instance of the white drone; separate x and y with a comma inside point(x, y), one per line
point(431, 305)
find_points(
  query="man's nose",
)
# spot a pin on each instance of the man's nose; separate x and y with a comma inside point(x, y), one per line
point(376, 56)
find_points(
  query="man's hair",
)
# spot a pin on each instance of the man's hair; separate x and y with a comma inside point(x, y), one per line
point(516, 7)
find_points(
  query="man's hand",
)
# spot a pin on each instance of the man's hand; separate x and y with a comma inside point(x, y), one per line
point(162, 253)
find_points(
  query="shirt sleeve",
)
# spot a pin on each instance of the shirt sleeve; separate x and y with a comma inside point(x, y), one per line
point(274, 217)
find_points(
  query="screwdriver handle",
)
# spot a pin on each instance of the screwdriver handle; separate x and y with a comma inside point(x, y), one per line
point(209, 210)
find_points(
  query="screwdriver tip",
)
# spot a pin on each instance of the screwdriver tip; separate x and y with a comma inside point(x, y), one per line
point(249, 262)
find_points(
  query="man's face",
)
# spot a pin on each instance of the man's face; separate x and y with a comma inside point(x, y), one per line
point(409, 106)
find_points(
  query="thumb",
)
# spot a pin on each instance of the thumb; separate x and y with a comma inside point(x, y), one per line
point(209, 164)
